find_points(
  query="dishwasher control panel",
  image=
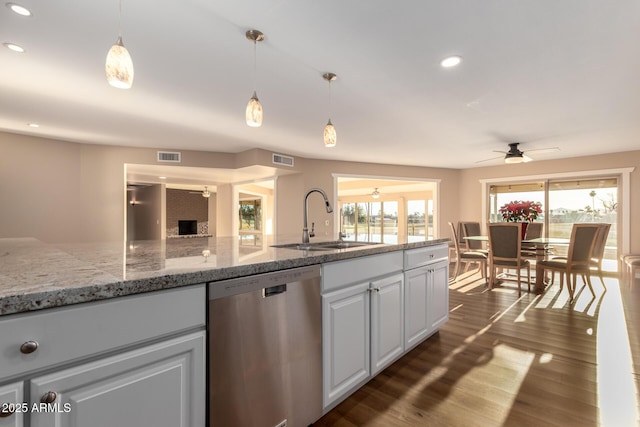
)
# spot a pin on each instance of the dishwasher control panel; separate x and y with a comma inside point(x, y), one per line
point(241, 285)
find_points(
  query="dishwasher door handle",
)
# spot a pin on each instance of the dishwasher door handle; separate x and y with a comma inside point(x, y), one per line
point(274, 290)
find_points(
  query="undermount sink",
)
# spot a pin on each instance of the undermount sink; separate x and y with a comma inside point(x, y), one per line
point(324, 246)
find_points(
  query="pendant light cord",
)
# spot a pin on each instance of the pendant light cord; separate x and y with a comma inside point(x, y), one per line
point(120, 18)
point(329, 99)
point(255, 66)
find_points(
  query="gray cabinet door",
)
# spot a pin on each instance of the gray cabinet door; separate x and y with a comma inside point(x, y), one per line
point(12, 405)
point(160, 385)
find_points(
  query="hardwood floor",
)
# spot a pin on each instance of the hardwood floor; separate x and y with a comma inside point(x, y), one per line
point(508, 361)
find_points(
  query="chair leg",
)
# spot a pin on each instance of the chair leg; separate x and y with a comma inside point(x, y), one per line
point(529, 278)
point(519, 286)
point(569, 287)
point(455, 272)
point(588, 279)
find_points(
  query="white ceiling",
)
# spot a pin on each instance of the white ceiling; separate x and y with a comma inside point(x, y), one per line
point(545, 73)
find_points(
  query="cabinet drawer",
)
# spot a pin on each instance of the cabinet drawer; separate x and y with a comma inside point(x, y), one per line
point(77, 331)
point(422, 256)
point(336, 275)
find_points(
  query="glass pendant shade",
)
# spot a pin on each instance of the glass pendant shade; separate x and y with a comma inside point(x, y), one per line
point(330, 137)
point(119, 67)
point(254, 112)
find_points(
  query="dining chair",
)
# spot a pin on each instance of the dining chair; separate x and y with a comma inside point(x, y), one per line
point(534, 231)
point(578, 259)
point(505, 240)
point(473, 229)
point(467, 257)
point(597, 256)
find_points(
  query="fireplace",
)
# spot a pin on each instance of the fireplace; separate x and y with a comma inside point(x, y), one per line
point(188, 226)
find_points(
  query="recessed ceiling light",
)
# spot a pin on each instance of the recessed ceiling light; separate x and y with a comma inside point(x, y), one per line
point(33, 125)
point(162, 177)
point(14, 47)
point(20, 10)
point(451, 61)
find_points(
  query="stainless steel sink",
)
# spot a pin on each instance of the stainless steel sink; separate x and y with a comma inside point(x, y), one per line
point(324, 246)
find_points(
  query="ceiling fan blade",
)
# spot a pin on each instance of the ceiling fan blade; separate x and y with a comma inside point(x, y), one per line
point(498, 151)
point(488, 160)
point(545, 150)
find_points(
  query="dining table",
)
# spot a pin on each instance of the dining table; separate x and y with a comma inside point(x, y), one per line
point(542, 245)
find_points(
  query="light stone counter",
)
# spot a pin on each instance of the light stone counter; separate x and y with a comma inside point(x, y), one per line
point(35, 275)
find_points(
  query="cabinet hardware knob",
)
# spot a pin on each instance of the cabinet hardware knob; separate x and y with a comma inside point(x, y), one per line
point(48, 397)
point(29, 347)
point(7, 411)
point(369, 289)
point(376, 289)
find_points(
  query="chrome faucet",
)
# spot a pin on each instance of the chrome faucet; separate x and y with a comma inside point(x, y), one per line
point(305, 229)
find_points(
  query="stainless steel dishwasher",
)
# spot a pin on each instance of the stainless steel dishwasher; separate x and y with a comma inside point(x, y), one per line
point(265, 349)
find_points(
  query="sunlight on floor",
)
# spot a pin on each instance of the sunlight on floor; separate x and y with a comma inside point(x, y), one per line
point(617, 393)
point(509, 363)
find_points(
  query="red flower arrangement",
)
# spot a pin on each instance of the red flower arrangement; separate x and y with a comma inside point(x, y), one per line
point(520, 211)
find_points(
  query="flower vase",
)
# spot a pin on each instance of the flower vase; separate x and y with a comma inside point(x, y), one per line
point(524, 229)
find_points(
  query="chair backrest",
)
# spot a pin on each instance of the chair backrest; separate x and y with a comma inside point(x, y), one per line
point(472, 229)
point(505, 239)
point(534, 230)
point(601, 241)
point(583, 237)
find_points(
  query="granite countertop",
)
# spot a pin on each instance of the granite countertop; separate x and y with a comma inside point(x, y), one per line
point(36, 275)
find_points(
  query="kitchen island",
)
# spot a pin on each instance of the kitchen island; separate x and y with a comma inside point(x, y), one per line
point(87, 328)
point(35, 275)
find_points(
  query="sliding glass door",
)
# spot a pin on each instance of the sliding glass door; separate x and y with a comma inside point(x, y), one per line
point(564, 203)
point(585, 200)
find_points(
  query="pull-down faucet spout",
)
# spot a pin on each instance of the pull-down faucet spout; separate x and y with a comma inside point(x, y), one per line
point(305, 229)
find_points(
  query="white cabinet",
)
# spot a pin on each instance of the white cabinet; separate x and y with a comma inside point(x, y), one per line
point(438, 303)
point(362, 313)
point(374, 309)
point(387, 321)
point(134, 360)
point(345, 340)
point(426, 293)
point(158, 385)
point(426, 301)
point(12, 407)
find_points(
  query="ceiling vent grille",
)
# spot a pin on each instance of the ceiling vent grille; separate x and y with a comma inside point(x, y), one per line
point(279, 159)
point(169, 156)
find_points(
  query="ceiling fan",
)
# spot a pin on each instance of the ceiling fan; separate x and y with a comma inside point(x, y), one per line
point(205, 193)
point(515, 155)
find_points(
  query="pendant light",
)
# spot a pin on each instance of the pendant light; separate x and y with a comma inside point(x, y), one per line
point(254, 108)
point(375, 194)
point(206, 194)
point(330, 137)
point(119, 67)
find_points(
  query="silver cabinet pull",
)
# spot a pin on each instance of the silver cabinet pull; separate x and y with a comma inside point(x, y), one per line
point(48, 397)
point(29, 347)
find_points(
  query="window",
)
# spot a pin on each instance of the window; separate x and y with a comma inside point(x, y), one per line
point(250, 213)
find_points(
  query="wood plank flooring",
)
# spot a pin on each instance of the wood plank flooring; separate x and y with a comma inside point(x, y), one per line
point(504, 360)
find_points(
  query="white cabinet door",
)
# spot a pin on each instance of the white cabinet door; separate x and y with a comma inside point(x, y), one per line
point(160, 385)
point(12, 405)
point(387, 321)
point(416, 296)
point(345, 338)
point(438, 309)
